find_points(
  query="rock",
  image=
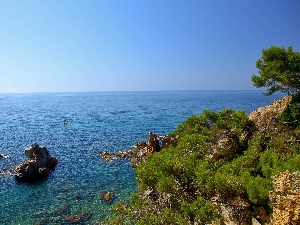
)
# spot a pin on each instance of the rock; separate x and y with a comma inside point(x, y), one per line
point(40, 214)
point(80, 218)
point(38, 165)
point(42, 221)
point(255, 222)
point(51, 163)
point(107, 196)
point(154, 144)
point(129, 154)
point(105, 155)
point(165, 141)
point(286, 198)
point(264, 117)
point(120, 154)
point(223, 143)
point(140, 152)
point(63, 209)
point(36, 151)
point(78, 196)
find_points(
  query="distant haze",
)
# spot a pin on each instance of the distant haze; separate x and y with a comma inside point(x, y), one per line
point(131, 45)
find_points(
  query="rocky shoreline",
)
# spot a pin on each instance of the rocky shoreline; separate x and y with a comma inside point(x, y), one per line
point(141, 150)
point(284, 197)
point(286, 189)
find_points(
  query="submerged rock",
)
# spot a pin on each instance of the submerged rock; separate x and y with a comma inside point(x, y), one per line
point(80, 218)
point(38, 165)
point(43, 221)
point(63, 209)
point(107, 197)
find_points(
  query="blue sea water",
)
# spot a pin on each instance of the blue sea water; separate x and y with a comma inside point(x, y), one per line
point(98, 121)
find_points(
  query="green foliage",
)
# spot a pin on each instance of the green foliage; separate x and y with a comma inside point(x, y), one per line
point(292, 113)
point(219, 158)
point(201, 210)
point(257, 189)
point(279, 70)
point(270, 162)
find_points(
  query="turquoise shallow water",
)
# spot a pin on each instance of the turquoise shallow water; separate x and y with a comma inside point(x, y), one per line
point(97, 121)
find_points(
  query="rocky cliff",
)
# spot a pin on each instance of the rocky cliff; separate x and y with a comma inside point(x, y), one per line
point(286, 198)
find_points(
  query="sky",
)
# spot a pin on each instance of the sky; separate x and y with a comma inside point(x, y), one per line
point(139, 45)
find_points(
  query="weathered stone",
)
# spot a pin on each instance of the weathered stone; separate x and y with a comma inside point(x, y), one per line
point(52, 162)
point(140, 152)
point(63, 209)
point(123, 155)
point(286, 198)
point(38, 165)
point(106, 155)
point(255, 222)
point(42, 221)
point(264, 117)
point(80, 218)
point(107, 196)
point(222, 144)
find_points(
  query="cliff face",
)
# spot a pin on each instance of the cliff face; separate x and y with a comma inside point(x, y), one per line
point(264, 116)
point(286, 198)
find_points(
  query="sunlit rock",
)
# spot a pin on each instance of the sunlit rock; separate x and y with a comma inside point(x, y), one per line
point(106, 155)
point(108, 196)
point(38, 165)
point(286, 198)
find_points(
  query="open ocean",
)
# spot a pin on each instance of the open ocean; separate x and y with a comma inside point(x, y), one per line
point(98, 121)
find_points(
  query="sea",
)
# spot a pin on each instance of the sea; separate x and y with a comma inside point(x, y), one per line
point(97, 121)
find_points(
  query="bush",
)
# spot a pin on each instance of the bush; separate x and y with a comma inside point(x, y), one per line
point(187, 182)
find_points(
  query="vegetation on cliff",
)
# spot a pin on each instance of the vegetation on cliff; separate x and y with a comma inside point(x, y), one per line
point(279, 70)
point(219, 168)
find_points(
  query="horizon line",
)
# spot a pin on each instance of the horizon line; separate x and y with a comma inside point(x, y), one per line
point(106, 91)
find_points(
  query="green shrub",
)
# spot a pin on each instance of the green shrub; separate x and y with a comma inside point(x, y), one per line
point(186, 182)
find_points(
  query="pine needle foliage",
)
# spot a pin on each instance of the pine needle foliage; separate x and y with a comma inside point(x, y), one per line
point(220, 160)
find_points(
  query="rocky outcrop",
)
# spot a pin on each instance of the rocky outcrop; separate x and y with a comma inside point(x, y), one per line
point(106, 155)
point(264, 117)
point(154, 144)
point(223, 143)
point(38, 165)
point(141, 150)
point(286, 198)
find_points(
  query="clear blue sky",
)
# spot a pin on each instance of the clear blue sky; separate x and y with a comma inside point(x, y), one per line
point(136, 45)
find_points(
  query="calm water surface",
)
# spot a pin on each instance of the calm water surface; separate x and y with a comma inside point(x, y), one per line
point(109, 121)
